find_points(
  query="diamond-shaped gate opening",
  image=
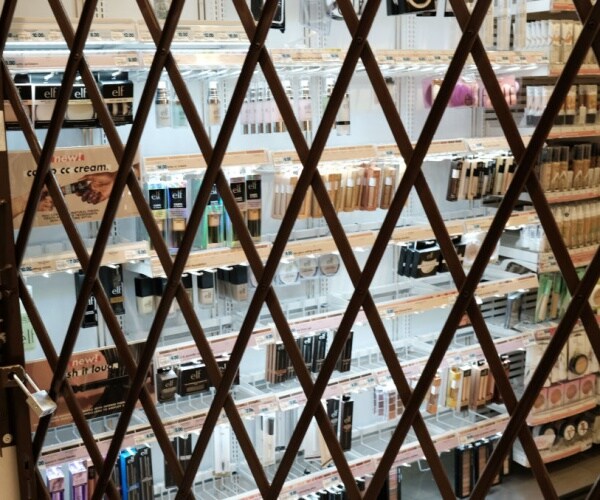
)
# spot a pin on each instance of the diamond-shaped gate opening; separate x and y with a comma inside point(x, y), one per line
point(306, 418)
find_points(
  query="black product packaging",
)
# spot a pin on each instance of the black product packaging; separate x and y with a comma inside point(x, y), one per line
point(307, 349)
point(169, 479)
point(320, 349)
point(344, 362)
point(482, 451)
point(463, 476)
point(192, 378)
point(146, 478)
point(333, 412)
point(117, 94)
point(346, 414)
point(222, 362)
point(112, 282)
point(425, 262)
point(493, 442)
point(90, 318)
point(278, 18)
point(184, 450)
point(166, 384)
point(397, 7)
point(402, 260)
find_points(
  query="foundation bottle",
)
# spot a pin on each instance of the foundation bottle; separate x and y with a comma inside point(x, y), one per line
point(389, 187)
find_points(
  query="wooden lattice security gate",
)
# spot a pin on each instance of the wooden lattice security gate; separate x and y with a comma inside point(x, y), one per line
point(467, 284)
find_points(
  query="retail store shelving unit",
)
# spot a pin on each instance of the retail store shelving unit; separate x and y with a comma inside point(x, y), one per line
point(234, 456)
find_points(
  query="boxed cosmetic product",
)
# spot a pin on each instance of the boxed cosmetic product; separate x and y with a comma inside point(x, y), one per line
point(144, 294)
point(166, 384)
point(111, 278)
point(238, 188)
point(320, 350)
point(425, 262)
point(254, 205)
point(212, 222)
point(80, 111)
point(267, 430)
point(397, 7)
point(45, 94)
point(23, 85)
point(346, 416)
point(56, 483)
point(130, 484)
point(222, 450)
point(222, 361)
point(144, 466)
point(92, 478)
point(78, 475)
point(482, 453)
point(192, 378)
point(90, 318)
point(465, 390)
point(98, 378)
point(85, 176)
point(481, 373)
point(344, 362)
point(463, 473)
point(117, 94)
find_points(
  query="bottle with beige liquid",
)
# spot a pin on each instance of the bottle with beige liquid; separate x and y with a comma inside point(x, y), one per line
point(214, 105)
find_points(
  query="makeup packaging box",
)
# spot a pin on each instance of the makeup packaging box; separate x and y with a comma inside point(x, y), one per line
point(130, 484)
point(98, 378)
point(320, 350)
point(463, 472)
point(80, 111)
point(238, 188)
point(90, 318)
point(78, 475)
point(117, 94)
point(166, 384)
point(192, 378)
point(144, 466)
point(85, 175)
point(346, 417)
point(56, 483)
point(587, 386)
point(254, 205)
point(45, 94)
point(344, 362)
point(222, 450)
point(111, 278)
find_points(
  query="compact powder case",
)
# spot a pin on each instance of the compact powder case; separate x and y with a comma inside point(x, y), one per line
point(578, 364)
point(308, 267)
point(329, 264)
point(288, 272)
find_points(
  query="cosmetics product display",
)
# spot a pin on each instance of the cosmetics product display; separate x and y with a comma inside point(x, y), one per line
point(579, 108)
point(353, 279)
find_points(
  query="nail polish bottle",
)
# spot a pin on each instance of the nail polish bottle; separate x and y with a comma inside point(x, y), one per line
point(144, 294)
